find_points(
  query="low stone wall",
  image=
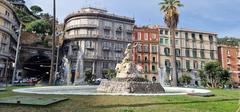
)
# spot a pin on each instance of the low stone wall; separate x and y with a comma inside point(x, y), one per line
point(130, 87)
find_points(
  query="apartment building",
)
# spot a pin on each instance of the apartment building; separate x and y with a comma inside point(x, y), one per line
point(193, 50)
point(229, 58)
point(101, 36)
point(146, 52)
point(9, 27)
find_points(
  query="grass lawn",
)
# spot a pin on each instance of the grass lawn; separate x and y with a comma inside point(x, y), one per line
point(224, 101)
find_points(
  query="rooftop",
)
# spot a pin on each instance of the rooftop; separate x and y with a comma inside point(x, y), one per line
point(96, 11)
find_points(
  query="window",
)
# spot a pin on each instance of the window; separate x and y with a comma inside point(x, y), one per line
point(153, 59)
point(177, 43)
point(178, 52)
point(161, 41)
point(176, 33)
point(146, 59)
point(167, 63)
point(166, 41)
point(186, 36)
point(139, 58)
point(145, 36)
point(166, 32)
point(105, 65)
point(154, 48)
point(161, 32)
point(154, 36)
point(228, 52)
point(139, 48)
point(167, 51)
point(187, 53)
point(146, 68)
point(145, 48)
point(187, 64)
point(228, 61)
point(89, 44)
point(108, 23)
point(195, 64)
point(201, 37)
point(211, 38)
point(212, 54)
point(139, 36)
point(193, 37)
point(178, 64)
point(106, 32)
point(202, 54)
point(194, 53)
point(153, 68)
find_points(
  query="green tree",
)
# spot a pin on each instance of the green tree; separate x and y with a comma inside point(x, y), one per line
point(171, 19)
point(111, 73)
point(36, 9)
point(41, 27)
point(185, 79)
point(213, 75)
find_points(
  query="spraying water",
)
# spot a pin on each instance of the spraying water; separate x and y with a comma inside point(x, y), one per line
point(79, 75)
point(66, 70)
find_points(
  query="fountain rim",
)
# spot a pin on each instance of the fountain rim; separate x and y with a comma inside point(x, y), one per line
point(170, 91)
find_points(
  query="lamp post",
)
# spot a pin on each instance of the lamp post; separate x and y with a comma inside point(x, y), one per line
point(17, 54)
point(51, 77)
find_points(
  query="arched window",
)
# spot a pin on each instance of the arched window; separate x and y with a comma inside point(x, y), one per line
point(167, 51)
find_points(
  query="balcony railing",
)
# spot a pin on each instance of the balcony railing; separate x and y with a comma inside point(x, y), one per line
point(81, 26)
point(106, 48)
point(118, 49)
point(229, 63)
point(7, 18)
point(9, 31)
point(82, 36)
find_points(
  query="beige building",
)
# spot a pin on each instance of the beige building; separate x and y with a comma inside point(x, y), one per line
point(193, 50)
point(9, 25)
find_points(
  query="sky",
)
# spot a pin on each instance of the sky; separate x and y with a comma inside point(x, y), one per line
point(218, 16)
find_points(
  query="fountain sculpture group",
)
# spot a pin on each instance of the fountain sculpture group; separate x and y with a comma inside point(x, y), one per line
point(129, 78)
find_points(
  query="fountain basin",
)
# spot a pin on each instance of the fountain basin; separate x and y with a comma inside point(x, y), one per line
point(92, 90)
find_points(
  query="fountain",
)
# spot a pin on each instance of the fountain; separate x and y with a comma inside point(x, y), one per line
point(129, 78)
point(129, 82)
point(79, 75)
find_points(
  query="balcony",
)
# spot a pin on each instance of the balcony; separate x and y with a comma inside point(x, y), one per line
point(7, 18)
point(82, 36)
point(107, 27)
point(229, 63)
point(9, 31)
point(81, 26)
point(118, 49)
point(106, 48)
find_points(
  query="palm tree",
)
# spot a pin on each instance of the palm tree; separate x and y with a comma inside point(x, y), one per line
point(171, 19)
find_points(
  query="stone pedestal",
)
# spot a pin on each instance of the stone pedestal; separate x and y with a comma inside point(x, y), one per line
point(130, 87)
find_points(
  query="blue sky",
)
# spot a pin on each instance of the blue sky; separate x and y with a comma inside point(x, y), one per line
point(219, 16)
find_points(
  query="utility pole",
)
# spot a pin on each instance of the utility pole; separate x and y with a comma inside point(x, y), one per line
point(51, 77)
point(17, 54)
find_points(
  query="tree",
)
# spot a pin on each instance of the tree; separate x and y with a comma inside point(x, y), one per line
point(213, 75)
point(36, 9)
point(110, 73)
point(41, 27)
point(185, 79)
point(171, 19)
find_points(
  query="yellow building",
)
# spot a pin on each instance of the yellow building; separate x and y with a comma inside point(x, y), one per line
point(193, 50)
point(9, 27)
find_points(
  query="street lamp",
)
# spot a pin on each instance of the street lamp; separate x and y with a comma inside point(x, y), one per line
point(51, 77)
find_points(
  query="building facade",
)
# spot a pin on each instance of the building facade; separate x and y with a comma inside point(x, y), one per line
point(193, 50)
point(101, 37)
point(9, 25)
point(146, 52)
point(229, 58)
